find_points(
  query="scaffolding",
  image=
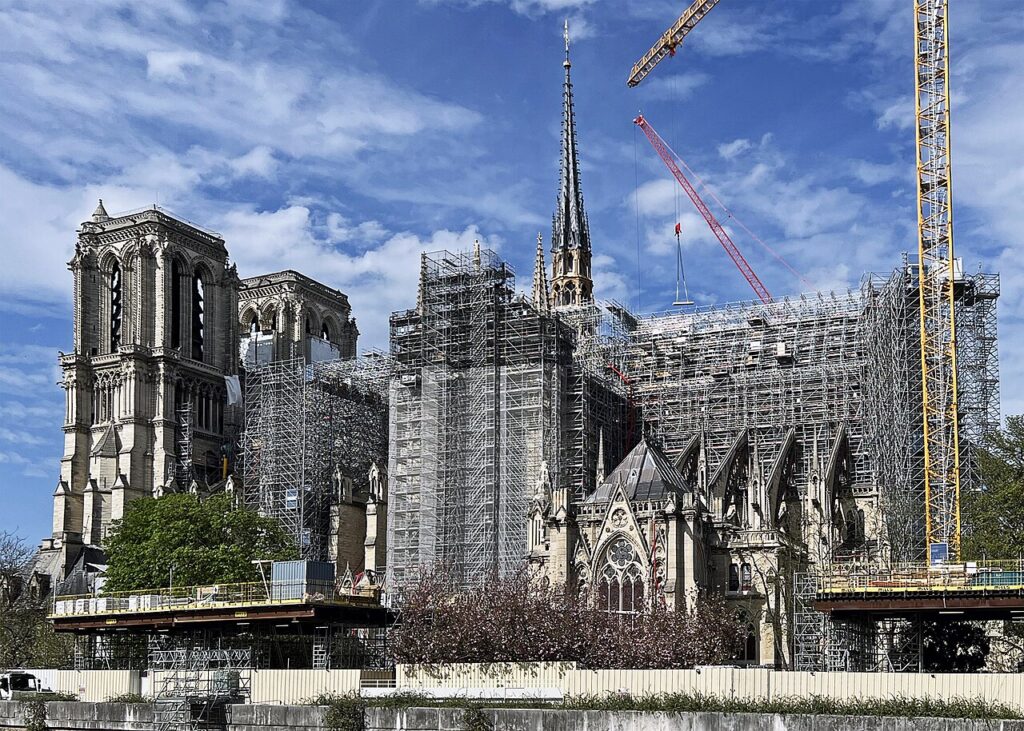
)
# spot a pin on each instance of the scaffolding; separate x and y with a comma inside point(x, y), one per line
point(484, 393)
point(184, 473)
point(749, 393)
point(307, 428)
point(196, 676)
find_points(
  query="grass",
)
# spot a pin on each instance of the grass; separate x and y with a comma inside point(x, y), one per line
point(342, 707)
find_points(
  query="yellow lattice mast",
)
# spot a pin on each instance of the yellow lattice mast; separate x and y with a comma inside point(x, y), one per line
point(937, 280)
point(670, 39)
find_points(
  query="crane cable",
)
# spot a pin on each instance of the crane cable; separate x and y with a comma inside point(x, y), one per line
point(680, 271)
point(730, 214)
point(636, 203)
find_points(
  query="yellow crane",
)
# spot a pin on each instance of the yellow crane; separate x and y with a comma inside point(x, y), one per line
point(670, 39)
point(937, 265)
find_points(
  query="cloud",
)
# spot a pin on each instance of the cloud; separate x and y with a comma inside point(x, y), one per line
point(675, 87)
point(171, 65)
point(378, 279)
point(729, 150)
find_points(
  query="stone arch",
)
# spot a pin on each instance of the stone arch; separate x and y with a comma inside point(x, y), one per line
point(249, 320)
point(113, 289)
point(179, 272)
point(270, 317)
point(203, 312)
point(311, 326)
point(330, 328)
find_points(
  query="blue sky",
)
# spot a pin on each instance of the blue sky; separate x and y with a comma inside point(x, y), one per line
point(343, 138)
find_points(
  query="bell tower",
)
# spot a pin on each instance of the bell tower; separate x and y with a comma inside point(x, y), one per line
point(155, 333)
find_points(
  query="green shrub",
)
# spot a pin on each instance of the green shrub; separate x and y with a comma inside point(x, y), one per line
point(129, 698)
point(344, 712)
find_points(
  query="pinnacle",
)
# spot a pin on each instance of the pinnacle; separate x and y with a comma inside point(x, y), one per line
point(100, 214)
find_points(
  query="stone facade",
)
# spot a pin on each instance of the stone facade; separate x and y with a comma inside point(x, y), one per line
point(288, 315)
point(155, 333)
point(647, 538)
point(158, 309)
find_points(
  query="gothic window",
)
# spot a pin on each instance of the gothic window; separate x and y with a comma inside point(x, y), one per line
point(746, 577)
point(115, 307)
point(749, 654)
point(325, 331)
point(734, 577)
point(620, 586)
point(309, 326)
point(536, 532)
point(176, 304)
point(198, 316)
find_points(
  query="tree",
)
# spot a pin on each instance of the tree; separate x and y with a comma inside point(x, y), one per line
point(27, 638)
point(524, 619)
point(993, 525)
point(203, 541)
point(993, 515)
point(954, 647)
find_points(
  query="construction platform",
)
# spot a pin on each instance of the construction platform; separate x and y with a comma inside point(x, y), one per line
point(237, 605)
point(974, 590)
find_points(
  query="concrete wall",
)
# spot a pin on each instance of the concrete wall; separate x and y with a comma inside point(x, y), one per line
point(1006, 688)
point(139, 717)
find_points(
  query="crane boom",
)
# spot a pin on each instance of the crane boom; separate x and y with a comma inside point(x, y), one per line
point(716, 228)
point(670, 39)
point(937, 274)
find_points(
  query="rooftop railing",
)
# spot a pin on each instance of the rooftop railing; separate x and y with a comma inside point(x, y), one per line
point(973, 576)
point(212, 596)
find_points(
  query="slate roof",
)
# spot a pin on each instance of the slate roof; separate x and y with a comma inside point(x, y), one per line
point(645, 474)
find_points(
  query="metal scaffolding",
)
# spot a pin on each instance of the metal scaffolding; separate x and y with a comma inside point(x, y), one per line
point(488, 395)
point(196, 676)
point(307, 426)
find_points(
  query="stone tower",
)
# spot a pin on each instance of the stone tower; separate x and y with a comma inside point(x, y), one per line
point(288, 315)
point(571, 283)
point(155, 334)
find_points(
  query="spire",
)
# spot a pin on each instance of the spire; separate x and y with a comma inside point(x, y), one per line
point(540, 279)
point(571, 285)
point(600, 459)
point(570, 229)
point(100, 214)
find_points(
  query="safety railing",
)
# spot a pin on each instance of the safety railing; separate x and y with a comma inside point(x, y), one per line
point(218, 596)
point(972, 576)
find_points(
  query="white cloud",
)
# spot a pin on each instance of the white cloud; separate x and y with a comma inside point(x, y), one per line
point(673, 86)
point(378, 280)
point(258, 162)
point(171, 65)
point(729, 150)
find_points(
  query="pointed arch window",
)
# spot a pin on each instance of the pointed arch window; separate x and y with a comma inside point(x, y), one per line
point(325, 331)
point(198, 316)
point(176, 304)
point(734, 577)
point(620, 582)
point(115, 307)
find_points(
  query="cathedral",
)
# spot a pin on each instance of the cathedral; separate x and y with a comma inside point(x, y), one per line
point(640, 461)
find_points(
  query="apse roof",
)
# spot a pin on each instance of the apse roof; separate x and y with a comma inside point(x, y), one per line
point(645, 474)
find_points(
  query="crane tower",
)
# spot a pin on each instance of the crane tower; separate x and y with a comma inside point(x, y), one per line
point(937, 277)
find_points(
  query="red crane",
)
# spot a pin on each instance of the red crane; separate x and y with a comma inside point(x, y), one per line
point(668, 157)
